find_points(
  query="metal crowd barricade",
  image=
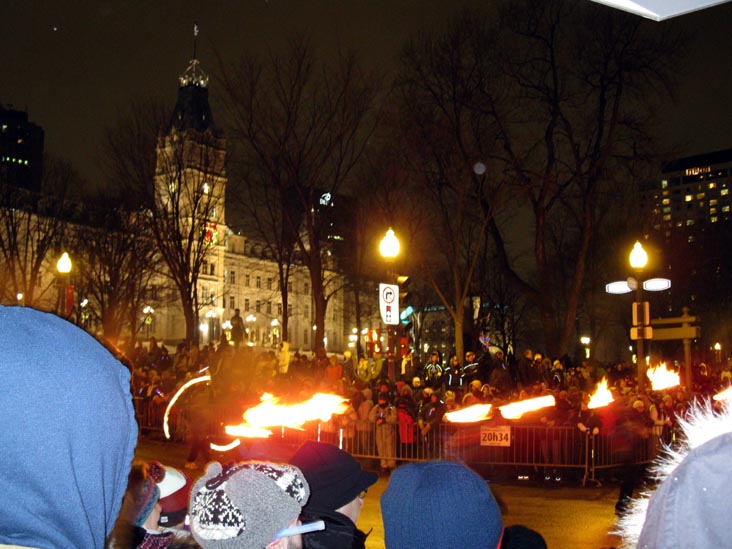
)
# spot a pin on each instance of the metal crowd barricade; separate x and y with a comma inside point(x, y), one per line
point(538, 448)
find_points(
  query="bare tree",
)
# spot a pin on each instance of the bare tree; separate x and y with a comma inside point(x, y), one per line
point(118, 263)
point(555, 94)
point(32, 230)
point(301, 127)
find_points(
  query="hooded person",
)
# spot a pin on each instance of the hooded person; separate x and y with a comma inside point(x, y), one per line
point(690, 506)
point(249, 505)
point(68, 435)
point(439, 504)
point(338, 486)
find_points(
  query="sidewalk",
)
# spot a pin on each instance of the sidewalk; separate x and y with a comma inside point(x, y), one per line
point(568, 516)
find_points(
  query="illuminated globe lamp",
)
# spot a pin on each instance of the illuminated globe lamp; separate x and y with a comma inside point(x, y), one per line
point(389, 246)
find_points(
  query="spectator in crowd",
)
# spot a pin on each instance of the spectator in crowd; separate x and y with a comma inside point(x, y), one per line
point(385, 417)
point(432, 371)
point(429, 422)
point(138, 525)
point(518, 536)
point(690, 506)
point(338, 486)
point(439, 504)
point(68, 434)
point(251, 505)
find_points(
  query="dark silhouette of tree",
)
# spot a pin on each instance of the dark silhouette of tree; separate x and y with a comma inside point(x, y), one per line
point(300, 128)
point(552, 100)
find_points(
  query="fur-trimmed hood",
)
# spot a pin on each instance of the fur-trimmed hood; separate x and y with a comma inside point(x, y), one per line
point(691, 505)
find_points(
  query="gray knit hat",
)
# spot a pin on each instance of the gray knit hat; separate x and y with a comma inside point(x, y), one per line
point(246, 504)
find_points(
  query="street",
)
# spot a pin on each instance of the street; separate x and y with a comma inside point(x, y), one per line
point(568, 516)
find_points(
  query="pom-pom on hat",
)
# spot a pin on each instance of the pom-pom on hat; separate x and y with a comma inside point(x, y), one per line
point(335, 477)
point(414, 506)
point(245, 505)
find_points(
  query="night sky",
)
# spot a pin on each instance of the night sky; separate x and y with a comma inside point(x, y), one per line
point(73, 64)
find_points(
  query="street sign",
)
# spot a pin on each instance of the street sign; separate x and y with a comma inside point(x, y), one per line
point(389, 303)
point(642, 332)
point(641, 314)
point(683, 332)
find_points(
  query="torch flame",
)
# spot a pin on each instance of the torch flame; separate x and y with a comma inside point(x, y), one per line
point(515, 410)
point(662, 378)
point(724, 395)
point(176, 396)
point(601, 397)
point(270, 413)
point(476, 412)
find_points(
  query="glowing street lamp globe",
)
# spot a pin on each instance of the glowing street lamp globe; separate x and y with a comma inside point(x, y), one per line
point(389, 245)
point(638, 257)
point(63, 265)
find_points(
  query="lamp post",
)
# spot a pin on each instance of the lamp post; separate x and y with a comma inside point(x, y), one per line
point(389, 248)
point(66, 290)
point(641, 329)
point(638, 260)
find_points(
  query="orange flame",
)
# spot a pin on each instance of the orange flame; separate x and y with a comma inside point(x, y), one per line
point(724, 395)
point(270, 413)
point(662, 378)
point(176, 396)
point(601, 397)
point(476, 412)
point(515, 410)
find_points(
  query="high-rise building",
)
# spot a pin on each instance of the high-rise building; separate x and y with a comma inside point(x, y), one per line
point(692, 191)
point(21, 150)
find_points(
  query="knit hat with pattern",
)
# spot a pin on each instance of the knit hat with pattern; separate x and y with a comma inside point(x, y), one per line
point(245, 505)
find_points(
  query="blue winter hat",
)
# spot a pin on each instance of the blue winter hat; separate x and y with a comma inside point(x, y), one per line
point(443, 502)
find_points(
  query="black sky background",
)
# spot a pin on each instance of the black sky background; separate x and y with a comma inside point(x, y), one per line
point(73, 64)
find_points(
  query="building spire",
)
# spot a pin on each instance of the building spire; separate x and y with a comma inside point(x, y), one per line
point(195, 36)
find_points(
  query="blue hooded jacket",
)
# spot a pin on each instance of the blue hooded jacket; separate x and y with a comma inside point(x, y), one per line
point(68, 433)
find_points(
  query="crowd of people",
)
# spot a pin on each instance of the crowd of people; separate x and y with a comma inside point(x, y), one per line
point(69, 479)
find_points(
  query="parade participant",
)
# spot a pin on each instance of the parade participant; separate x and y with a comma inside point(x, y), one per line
point(439, 504)
point(68, 434)
point(249, 505)
point(338, 486)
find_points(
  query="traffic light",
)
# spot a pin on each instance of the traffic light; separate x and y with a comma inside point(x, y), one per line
point(406, 309)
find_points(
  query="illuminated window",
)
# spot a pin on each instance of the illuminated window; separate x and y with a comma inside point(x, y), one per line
point(664, 183)
point(724, 192)
point(666, 201)
point(688, 198)
point(700, 196)
point(667, 209)
point(713, 202)
point(713, 219)
point(712, 210)
point(713, 185)
point(725, 209)
point(667, 217)
point(689, 222)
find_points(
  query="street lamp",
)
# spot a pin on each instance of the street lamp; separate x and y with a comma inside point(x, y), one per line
point(585, 341)
point(389, 248)
point(641, 329)
point(65, 290)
